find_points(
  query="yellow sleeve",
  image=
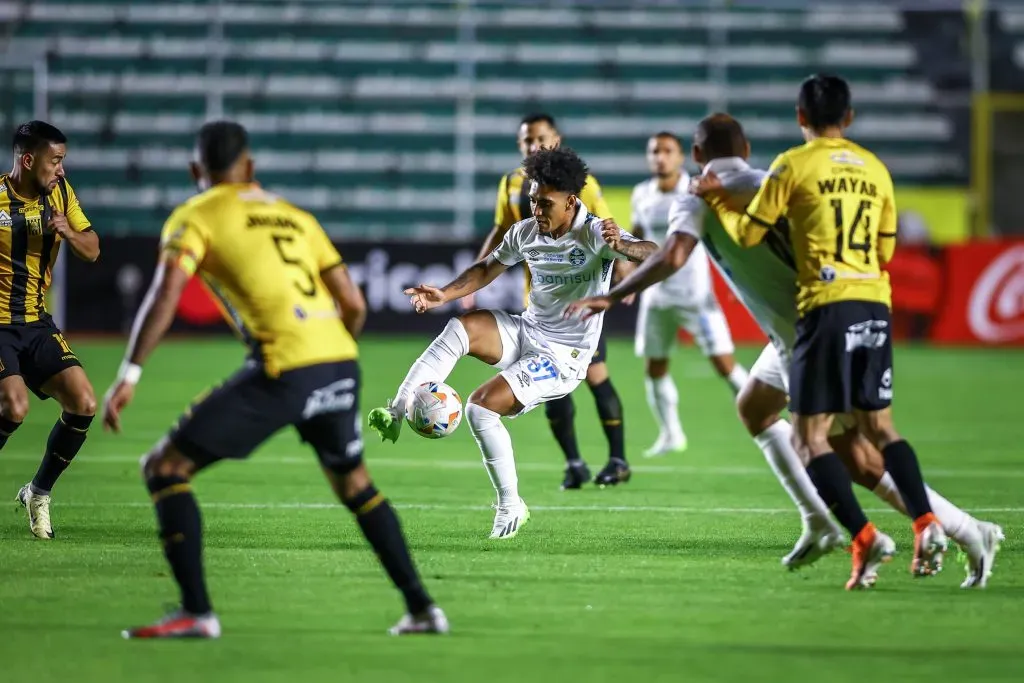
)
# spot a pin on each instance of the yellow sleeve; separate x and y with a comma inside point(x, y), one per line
point(742, 228)
point(323, 250)
point(771, 201)
point(594, 200)
point(185, 240)
point(73, 211)
point(503, 217)
point(887, 225)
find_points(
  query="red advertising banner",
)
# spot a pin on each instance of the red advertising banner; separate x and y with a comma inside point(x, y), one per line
point(984, 295)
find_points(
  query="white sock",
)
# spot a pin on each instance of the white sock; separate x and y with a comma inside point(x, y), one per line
point(496, 446)
point(955, 522)
point(776, 444)
point(663, 398)
point(437, 361)
point(737, 378)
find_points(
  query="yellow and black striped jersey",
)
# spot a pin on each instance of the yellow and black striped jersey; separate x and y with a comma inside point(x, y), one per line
point(28, 250)
point(261, 258)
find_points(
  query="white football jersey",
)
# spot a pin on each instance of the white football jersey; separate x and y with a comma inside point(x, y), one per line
point(689, 285)
point(764, 276)
point(576, 265)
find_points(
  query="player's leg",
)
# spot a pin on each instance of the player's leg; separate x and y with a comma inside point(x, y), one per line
point(227, 423)
point(820, 387)
point(490, 402)
point(711, 331)
point(50, 368)
point(14, 403)
point(902, 465)
point(656, 330)
point(74, 392)
point(336, 437)
point(561, 416)
point(760, 404)
point(979, 540)
point(872, 398)
point(609, 411)
point(476, 334)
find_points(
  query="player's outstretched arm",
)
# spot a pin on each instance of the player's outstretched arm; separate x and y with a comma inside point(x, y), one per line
point(151, 323)
point(348, 296)
point(491, 242)
point(477, 276)
point(653, 270)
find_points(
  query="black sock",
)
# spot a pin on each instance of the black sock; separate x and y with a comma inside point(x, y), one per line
point(66, 439)
point(609, 409)
point(561, 414)
point(835, 488)
point(382, 529)
point(901, 463)
point(181, 530)
point(7, 428)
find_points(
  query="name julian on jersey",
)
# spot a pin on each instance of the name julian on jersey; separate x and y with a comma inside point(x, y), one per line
point(272, 221)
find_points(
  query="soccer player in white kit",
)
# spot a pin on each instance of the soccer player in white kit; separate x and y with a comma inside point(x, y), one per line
point(540, 355)
point(685, 299)
point(764, 278)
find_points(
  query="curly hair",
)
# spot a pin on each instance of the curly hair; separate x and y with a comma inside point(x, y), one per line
point(560, 168)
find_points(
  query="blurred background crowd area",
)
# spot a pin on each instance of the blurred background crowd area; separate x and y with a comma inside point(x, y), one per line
point(394, 121)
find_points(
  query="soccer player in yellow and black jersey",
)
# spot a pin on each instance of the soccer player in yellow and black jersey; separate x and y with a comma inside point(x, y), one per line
point(281, 284)
point(38, 212)
point(839, 202)
point(537, 132)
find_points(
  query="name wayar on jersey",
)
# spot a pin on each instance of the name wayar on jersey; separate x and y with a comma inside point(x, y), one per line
point(844, 185)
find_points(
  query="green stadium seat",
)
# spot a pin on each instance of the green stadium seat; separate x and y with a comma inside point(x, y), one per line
point(354, 107)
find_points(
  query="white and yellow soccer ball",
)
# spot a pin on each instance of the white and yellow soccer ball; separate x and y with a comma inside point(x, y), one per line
point(433, 410)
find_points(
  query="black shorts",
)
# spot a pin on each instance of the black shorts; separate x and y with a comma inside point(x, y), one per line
point(35, 351)
point(601, 352)
point(842, 359)
point(320, 401)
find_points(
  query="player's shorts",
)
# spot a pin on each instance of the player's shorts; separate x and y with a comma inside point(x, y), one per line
point(658, 323)
point(842, 359)
point(536, 370)
point(35, 351)
point(772, 368)
point(320, 401)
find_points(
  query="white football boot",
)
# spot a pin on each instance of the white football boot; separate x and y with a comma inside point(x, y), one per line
point(431, 621)
point(979, 554)
point(509, 519)
point(38, 508)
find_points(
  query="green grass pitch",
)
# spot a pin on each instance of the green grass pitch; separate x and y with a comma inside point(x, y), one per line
point(674, 577)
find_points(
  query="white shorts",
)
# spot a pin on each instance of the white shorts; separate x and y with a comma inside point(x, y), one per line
point(771, 369)
point(537, 371)
point(657, 327)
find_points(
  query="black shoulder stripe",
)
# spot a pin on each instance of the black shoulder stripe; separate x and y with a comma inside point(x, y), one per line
point(63, 185)
point(759, 221)
point(887, 234)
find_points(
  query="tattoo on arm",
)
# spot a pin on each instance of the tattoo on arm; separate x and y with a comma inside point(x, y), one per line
point(638, 250)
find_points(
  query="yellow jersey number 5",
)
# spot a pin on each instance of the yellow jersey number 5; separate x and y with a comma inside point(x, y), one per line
point(306, 283)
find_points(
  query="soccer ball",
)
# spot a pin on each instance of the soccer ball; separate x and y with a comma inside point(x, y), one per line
point(433, 410)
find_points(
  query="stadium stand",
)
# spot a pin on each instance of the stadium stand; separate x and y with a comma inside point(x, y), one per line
point(356, 110)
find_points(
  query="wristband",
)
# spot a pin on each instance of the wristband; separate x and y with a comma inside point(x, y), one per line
point(129, 373)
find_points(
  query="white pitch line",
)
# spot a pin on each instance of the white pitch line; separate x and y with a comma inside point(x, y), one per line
point(481, 508)
point(471, 463)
